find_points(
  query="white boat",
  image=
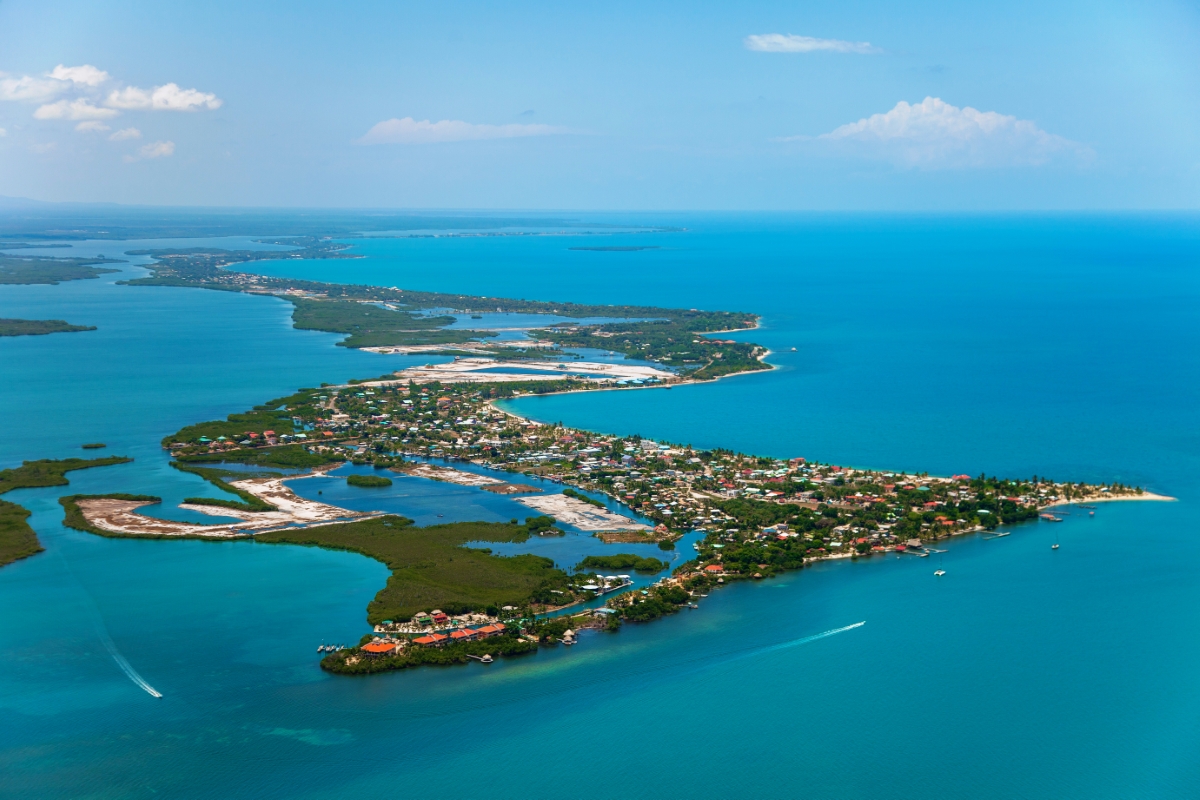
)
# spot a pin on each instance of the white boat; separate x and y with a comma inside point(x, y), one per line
point(939, 573)
point(1054, 546)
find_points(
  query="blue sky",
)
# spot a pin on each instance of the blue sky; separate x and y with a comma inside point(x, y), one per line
point(815, 105)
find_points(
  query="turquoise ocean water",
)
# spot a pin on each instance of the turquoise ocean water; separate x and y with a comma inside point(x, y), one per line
point(1064, 346)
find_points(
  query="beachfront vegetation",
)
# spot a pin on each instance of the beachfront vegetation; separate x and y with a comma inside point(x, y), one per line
point(21, 270)
point(39, 327)
point(621, 561)
point(368, 481)
point(430, 566)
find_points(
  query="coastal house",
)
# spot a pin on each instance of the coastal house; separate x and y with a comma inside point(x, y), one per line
point(432, 640)
point(463, 635)
point(715, 569)
point(488, 631)
point(382, 648)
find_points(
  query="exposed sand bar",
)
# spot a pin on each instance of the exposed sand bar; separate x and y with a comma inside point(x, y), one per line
point(1111, 498)
point(584, 516)
point(119, 516)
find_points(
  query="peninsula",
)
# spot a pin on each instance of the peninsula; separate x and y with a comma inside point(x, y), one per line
point(446, 602)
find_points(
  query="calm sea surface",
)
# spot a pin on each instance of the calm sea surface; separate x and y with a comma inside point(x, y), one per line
point(1063, 346)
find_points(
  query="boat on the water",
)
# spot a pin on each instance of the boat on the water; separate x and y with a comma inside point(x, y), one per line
point(939, 573)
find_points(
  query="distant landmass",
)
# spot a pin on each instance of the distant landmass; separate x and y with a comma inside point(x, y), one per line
point(618, 249)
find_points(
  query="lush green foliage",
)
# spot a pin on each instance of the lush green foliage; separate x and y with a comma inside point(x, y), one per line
point(17, 538)
point(47, 472)
point(371, 325)
point(368, 481)
point(622, 561)
point(430, 567)
point(39, 327)
point(17, 269)
point(94, 446)
point(292, 456)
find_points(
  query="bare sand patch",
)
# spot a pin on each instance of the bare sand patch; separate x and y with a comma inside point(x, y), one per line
point(581, 515)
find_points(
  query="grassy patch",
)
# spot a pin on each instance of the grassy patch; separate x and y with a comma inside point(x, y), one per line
point(430, 567)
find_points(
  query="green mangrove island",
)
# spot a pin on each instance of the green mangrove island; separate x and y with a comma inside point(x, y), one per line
point(38, 327)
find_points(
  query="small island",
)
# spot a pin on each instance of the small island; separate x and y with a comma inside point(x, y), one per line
point(39, 327)
point(368, 481)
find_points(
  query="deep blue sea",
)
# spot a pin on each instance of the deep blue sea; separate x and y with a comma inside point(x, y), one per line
point(1062, 345)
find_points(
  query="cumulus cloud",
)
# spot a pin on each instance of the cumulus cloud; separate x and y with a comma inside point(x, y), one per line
point(92, 126)
point(933, 134)
point(29, 88)
point(86, 74)
point(168, 97)
point(156, 149)
point(411, 131)
point(125, 133)
point(790, 43)
point(80, 108)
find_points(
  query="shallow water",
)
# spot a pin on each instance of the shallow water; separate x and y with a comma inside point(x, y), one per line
point(1013, 345)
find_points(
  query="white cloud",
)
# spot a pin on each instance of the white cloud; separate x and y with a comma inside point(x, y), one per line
point(80, 108)
point(125, 133)
point(168, 97)
point(933, 134)
point(157, 149)
point(29, 88)
point(790, 43)
point(92, 126)
point(411, 131)
point(85, 74)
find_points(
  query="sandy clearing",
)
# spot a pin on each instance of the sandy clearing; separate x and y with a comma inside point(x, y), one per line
point(582, 515)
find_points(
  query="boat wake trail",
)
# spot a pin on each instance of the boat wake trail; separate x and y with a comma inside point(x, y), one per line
point(102, 633)
point(125, 666)
point(758, 651)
